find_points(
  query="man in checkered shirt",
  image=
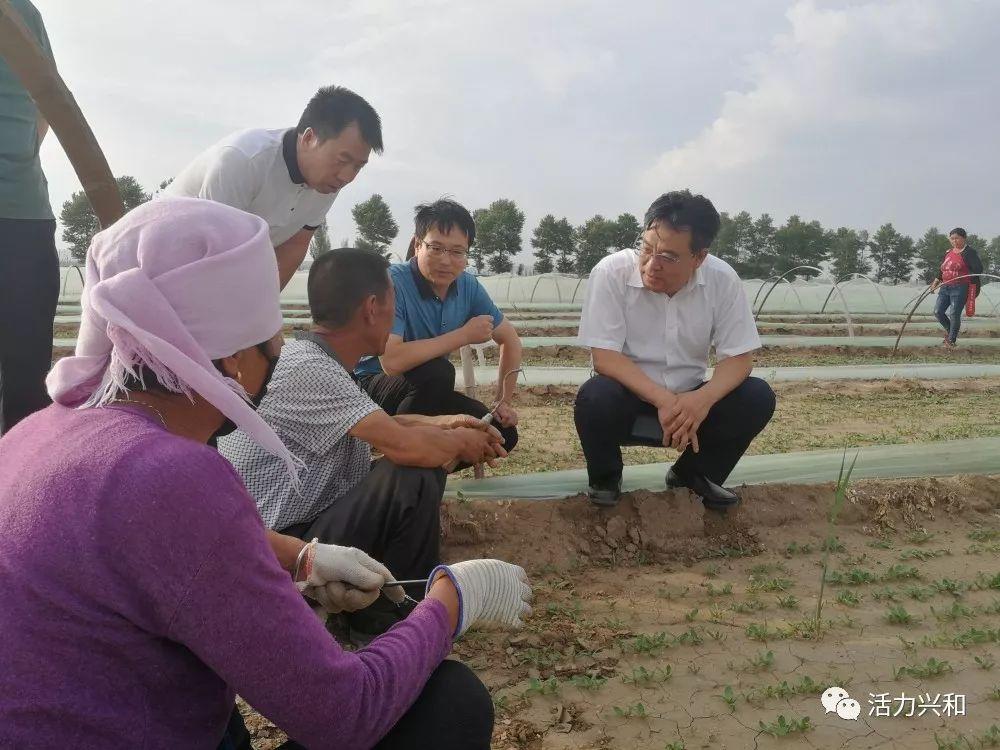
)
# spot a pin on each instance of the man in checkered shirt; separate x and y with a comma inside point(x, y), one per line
point(389, 508)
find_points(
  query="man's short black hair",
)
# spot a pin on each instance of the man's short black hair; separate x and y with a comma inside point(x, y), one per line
point(442, 214)
point(684, 212)
point(341, 279)
point(333, 108)
point(959, 231)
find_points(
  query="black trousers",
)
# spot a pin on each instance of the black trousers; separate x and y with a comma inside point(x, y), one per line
point(393, 514)
point(454, 712)
point(29, 291)
point(428, 389)
point(606, 411)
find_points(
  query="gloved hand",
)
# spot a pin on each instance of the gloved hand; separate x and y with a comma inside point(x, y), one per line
point(488, 591)
point(343, 579)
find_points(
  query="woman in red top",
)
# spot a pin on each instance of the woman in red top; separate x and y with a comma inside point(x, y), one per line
point(953, 284)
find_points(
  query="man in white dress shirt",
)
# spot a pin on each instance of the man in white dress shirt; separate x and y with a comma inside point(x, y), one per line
point(650, 318)
point(290, 176)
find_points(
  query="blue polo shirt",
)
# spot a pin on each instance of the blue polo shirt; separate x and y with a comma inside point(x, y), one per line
point(421, 314)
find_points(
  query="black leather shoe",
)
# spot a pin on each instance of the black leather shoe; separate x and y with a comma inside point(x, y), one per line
point(605, 495)
point(712, 495)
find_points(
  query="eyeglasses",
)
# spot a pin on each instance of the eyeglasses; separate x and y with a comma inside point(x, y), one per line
point(440, 251)
point(668, 258)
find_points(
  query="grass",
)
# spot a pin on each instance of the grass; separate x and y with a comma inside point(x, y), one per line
point(848, 598)
point(633, 711)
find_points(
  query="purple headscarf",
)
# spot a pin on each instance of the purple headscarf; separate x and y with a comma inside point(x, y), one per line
point(173, 285)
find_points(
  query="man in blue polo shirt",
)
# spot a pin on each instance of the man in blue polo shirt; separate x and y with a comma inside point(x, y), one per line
point(440, 308)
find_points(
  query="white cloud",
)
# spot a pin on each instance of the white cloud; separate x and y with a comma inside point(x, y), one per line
point(877, 91)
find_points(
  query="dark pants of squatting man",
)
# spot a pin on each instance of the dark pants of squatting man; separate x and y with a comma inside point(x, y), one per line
point(606, 411)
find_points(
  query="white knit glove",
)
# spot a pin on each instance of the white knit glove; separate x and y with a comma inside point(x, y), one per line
point(488, 591)
point(342, 579)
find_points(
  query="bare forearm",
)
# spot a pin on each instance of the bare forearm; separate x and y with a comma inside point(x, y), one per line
point(404, 356)
point(285, 548)
point(617, 366)
point(290, 256)
point(425, 446)
point(729, 373)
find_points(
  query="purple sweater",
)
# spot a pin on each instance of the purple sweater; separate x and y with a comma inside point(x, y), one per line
point(138, 594)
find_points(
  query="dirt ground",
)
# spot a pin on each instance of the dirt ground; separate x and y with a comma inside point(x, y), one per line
point(657, 625)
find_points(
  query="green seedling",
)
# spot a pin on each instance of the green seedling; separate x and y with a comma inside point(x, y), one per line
point(690, 637)
point(643, 676)
point(995, 694)
point(919, 593)
point(832, 543)
point(588, 682)
point(931, 668)
point(919, 537)
point(712, 571)
point(634, 711)
point(783, 690)
point(499, 702)
point(729, 697)
point(542, 687)
point(749, 606)
point(956, 743)
point(954, 613)
point(992, 548)
point(716, 635)
point(762, 662)
point(887, 594)
point(648, 644)
point(764, 634)
point(923, 554)
point(794, 548)
point(678, 745)
point(848, 598)
point(985, 662)
point(784, 727)
point(991, 738)
point(948, 586)
point(726, 590)
point(788, 602)
point(880, 544)
point(762, 570)
point(897, 615)
point(900, 573)
point(692, 615)
point(769, 585)
point(984, 534)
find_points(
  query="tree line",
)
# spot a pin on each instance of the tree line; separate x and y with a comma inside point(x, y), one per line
point(755, 247)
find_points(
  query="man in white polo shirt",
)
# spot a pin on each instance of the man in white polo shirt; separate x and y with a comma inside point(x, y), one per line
point(650, 318)
point(289, 177)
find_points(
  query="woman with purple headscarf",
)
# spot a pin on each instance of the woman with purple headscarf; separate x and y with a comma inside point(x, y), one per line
point(139, 590)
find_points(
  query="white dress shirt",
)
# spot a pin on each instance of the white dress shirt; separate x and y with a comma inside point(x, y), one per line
point(668, 337)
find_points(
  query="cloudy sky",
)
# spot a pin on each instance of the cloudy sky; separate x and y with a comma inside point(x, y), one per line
point(852, 113)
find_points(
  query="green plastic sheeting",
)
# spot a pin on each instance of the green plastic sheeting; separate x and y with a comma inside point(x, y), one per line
point(980, 456)
point(578, 375)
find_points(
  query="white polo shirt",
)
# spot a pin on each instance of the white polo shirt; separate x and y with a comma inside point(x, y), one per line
point(257, 172)
point(668, 337)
